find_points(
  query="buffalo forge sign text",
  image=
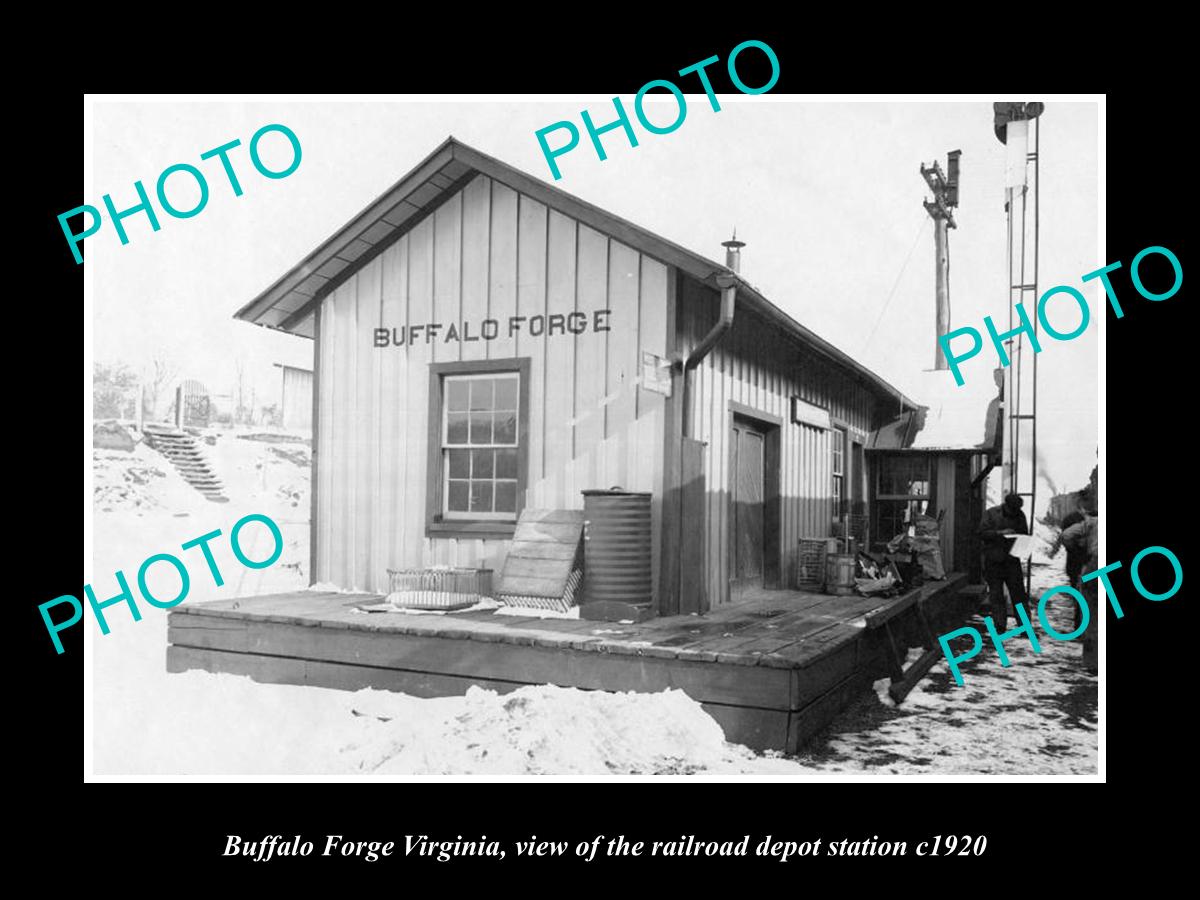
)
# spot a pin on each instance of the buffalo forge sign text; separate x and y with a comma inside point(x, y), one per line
point(489, 329)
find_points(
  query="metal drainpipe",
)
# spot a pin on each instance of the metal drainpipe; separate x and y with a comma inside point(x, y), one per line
point(728, 283)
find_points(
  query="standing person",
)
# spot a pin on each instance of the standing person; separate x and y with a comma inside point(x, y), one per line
point(1075, 557)
point(1077, 549)
point(1083, 538)
point(1000, 568)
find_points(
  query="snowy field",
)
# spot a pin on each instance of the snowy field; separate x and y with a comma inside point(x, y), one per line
point(1036, 717)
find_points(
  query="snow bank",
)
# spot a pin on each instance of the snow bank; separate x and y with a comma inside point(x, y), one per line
point(535, 730)
point(549, 730)
point(140, 482)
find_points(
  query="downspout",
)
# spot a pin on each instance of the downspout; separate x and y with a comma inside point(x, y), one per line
point(727, 282)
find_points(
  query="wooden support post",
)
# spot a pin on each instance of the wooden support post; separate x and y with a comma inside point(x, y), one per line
point(902, 686)
point(896, 656)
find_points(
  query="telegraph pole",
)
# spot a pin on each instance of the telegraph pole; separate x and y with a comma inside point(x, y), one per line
point(945, 198)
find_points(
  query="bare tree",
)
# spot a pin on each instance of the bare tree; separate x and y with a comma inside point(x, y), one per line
point(163, 374)
point(114, 387)
point(243, 414)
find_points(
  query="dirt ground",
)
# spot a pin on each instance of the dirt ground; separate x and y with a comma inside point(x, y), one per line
point(1038, 716)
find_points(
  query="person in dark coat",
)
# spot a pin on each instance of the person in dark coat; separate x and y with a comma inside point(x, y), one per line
point(1076, 559)
point(1000, 569)
point(1083, 539)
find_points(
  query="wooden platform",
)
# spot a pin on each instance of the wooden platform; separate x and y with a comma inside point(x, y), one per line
point(771, 670)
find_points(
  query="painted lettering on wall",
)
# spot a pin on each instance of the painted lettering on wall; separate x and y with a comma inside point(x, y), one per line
point(490, 329)
point(186, 173)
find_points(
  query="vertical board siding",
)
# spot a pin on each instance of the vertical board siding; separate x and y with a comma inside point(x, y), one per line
point(417, 357)
point(323, 536)
point(502, 291)
point(447, 278)
point(393, 411)
point(369, 544)
point(756, 365)
point(592, 287)
point(621, 369)
point(531, 301)
point(345, 445)
point(559, 413)
point(476, 256)
point(488, 252)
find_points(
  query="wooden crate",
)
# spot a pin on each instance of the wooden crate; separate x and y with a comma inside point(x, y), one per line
point(810, 564)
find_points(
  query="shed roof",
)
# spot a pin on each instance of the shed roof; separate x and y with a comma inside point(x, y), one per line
point(289, 303)
point(956, 418)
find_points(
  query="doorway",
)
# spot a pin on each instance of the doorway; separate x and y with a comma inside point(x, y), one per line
point(754, 506)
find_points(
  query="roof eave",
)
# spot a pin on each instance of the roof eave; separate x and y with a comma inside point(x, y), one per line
point(666, 251)
point(327, 249)
point(765, 307)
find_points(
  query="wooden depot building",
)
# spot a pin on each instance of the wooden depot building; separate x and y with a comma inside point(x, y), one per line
point(486, 343)
point(470, 283)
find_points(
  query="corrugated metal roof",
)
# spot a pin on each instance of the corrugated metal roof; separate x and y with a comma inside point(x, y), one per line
point(288, 304)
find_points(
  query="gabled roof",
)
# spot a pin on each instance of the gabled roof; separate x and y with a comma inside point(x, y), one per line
point(288, 304)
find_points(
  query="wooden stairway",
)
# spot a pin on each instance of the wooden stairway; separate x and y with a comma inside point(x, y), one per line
point(185, 454)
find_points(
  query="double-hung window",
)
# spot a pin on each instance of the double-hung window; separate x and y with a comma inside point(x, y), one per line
point(478, 445)
point(838, 439)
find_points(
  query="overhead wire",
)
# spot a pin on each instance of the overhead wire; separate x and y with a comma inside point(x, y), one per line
point(920, 231)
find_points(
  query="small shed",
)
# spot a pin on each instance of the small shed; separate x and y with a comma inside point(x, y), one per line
point(487, 343)
point(936, 460)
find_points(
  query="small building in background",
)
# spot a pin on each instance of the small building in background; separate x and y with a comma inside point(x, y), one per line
point(936, 461)
point(193, 406)
point(295, 397)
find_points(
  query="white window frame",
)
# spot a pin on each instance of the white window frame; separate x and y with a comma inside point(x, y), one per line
point(446, 447)
point(837, 455)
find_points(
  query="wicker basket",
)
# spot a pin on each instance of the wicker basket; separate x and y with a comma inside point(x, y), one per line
point(810, 564)
point(438, 588)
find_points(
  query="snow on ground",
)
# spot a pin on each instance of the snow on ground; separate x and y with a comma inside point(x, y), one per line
point(142, 506)
point(1039, 716)
point(226, 724)
point(1035, 717)
point(140, 482)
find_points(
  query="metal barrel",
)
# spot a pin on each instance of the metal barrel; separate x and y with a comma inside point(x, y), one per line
point(616, 535)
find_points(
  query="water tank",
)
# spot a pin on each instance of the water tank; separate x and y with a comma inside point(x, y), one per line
point(616, 555)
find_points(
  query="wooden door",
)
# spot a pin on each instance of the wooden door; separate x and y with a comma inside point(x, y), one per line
point(747, 497)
